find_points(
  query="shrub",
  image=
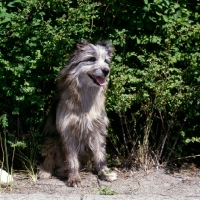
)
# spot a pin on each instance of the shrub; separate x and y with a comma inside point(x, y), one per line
point(35, 39)
point(153, 96)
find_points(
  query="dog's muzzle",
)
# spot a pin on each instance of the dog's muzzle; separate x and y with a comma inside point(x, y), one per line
point(99, 76)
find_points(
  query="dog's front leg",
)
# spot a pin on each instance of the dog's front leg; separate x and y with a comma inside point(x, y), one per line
point(99, 155)
point(74, 179)
point(71, 166)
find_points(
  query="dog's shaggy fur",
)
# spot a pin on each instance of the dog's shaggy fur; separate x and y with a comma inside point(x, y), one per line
point(76, 125)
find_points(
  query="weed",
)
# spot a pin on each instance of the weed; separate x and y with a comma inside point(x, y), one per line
point(106, 191)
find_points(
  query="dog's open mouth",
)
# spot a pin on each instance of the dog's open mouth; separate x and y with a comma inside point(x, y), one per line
point(99, 80)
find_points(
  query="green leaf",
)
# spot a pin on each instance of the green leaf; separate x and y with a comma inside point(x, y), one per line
point(138, 41)
point(10, 4)
point(182, 133)
point(5, 20)
point(176, 5)
point(154, 39)
point(165, 18)
point(178, 14)
point(187, 140)
point(186, 24)
point(167, 2)
point(15, 111)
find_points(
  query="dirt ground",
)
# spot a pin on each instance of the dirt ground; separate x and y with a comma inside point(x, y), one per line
point(184, 182)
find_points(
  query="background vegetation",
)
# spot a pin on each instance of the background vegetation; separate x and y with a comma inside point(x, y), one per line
point(153, 100)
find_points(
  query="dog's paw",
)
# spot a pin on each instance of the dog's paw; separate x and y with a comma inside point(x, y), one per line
point(44, 175)
point(74, 180)
point(108, 175)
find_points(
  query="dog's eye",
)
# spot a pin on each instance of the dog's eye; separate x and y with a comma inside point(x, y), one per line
point(92, 59)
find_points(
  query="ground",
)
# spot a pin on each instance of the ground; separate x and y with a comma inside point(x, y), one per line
point(184, 182)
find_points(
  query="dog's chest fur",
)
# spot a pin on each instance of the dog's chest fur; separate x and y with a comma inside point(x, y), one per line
point(84, 119)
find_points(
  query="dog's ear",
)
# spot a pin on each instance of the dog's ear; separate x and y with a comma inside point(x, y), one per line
point(84, 42)
point(108, 46)
point(78, 47)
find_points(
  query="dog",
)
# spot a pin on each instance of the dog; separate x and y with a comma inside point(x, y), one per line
point(76, 127)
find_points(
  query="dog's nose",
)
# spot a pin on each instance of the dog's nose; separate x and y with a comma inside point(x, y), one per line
point(105, 71)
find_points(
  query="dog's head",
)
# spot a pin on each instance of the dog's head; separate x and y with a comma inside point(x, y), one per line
point(90, 64)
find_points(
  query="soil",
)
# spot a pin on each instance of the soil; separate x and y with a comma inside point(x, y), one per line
point(183, 182)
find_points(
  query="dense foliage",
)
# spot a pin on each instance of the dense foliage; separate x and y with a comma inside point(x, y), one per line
point(153, 99)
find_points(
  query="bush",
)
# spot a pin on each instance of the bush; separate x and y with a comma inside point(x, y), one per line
point(155, 81)
point(36, 37)
point(153, 98)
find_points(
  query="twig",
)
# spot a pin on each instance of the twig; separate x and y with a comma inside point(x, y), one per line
point(92, 22)
point(164, 140)
point(169, 155)
point(167, 132)
point(124, 136)
point(127, 128)
point(183, 158)
point(116, 149)
point(3, 153)
point(156, 158)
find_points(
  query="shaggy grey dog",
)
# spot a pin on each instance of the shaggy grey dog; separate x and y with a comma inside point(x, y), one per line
point(76, 125)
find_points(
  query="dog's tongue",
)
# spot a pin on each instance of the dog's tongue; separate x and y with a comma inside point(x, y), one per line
point(100, 80)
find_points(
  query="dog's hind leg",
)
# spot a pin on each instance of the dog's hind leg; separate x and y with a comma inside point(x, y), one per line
point(49, 163)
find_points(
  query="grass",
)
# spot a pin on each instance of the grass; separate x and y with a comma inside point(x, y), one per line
point(106, 191)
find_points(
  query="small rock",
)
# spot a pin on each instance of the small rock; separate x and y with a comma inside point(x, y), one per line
point(5, 178)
